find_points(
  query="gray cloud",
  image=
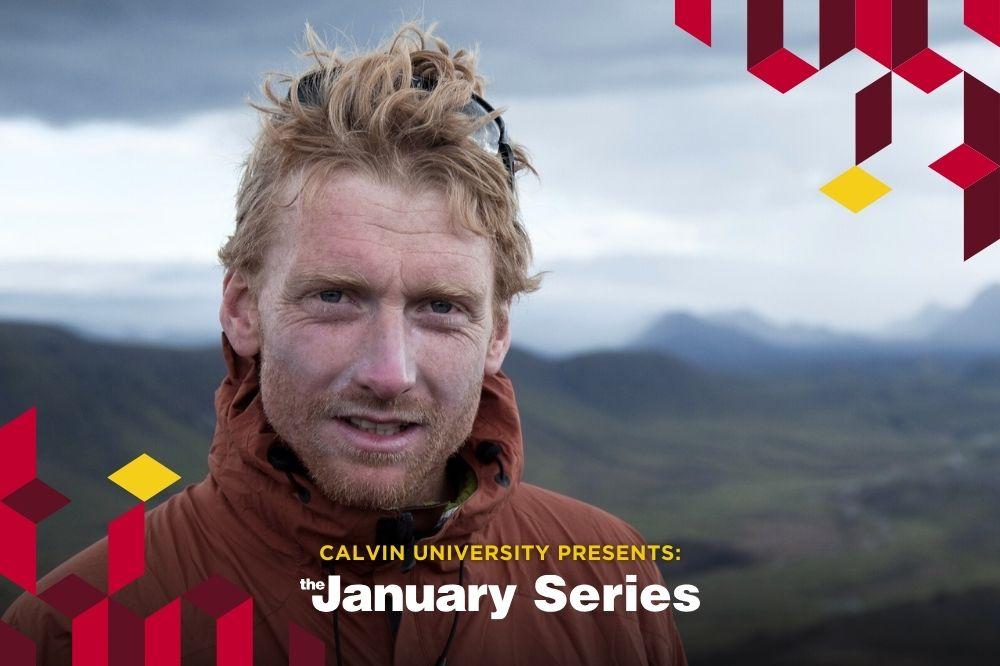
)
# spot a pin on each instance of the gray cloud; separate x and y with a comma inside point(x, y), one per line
point(152, 60)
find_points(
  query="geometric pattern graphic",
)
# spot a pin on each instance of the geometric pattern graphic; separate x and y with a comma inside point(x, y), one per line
point(982, 135)
point(983, 16)
point(103, 631)
point(927, 70)
point(855, 189)
point(72, 596)
point(695, 18)
point(16, 648)
point(893, 33)
point(304, 649)
point(872, 118)
point(782, 70)
point(162, 636)
point(965, 166)
point(126, 548)
point(232, 609)
point(767, 57)
point(144, 477)
point(18, 442)
point(87, 609)
point(153, 641)
point(36, 500)
point(25, 501)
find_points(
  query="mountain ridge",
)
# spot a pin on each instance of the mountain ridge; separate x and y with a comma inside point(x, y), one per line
point(746, 340)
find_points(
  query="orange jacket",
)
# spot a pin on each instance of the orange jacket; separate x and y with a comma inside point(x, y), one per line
point(258, 521)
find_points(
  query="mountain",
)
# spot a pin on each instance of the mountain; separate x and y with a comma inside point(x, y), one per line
point(743, 340)
point(706, 343)
point(792, 336)
point(977, 326)
point(626, 383)
point(920, 325)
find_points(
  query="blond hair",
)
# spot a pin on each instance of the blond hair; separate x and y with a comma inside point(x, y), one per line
point(361, 114)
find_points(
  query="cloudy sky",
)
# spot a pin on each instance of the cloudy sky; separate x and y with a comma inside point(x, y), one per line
point(670, 178)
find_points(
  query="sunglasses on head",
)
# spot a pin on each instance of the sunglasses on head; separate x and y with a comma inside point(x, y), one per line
point(491, 137)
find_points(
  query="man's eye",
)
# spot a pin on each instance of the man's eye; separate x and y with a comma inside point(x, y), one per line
point(441, 307)
point(332, 296)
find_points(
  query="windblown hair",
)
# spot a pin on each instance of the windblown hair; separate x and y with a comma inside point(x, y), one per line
point(360, 114)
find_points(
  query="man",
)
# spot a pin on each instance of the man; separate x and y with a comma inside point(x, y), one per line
point(365, 315)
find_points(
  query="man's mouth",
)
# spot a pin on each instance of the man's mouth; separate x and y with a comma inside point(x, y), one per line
point(375, 433)
point(385, 427)
point(377, 428)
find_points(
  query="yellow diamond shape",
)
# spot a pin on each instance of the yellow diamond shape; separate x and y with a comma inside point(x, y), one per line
point(855, 189)
point(144, 477)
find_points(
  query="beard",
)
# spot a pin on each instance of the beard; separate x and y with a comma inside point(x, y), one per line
point(355, 477)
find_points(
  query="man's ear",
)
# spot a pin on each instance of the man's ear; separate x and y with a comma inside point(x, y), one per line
point(499, 341)
point(238, 314)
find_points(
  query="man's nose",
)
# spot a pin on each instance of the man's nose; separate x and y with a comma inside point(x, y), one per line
point(388, 368)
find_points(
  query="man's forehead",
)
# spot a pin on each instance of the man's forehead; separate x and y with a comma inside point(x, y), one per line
point(352, 224)
point(348, 204)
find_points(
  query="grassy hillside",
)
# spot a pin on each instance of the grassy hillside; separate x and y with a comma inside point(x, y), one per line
point(827, 493)
point(829, 496)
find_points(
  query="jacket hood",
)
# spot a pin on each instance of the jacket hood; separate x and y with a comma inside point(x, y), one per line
point(279, 504)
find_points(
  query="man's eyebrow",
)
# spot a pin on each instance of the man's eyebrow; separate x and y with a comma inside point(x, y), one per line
point(317, 279)
point(355, 281)
point(449, 290)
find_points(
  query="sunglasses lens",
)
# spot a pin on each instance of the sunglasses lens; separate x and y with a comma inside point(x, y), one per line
point(487, 136)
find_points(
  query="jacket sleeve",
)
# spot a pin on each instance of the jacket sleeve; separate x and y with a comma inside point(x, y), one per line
point(48, 629)
point(659, 630)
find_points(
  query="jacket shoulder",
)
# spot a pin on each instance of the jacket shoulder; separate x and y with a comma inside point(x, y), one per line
point(553, 517)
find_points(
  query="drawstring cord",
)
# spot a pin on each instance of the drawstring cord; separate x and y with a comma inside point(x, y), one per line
point(443, 659)
point(331, 568)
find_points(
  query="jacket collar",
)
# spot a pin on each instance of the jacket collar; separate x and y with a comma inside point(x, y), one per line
point(269, 506)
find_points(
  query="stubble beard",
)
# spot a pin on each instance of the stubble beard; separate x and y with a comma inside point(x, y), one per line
point(333, 465)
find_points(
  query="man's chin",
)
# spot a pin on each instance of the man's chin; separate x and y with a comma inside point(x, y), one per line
point(376, 470)
point(369, 484)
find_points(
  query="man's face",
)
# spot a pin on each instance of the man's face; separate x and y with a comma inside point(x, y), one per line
point(375, 330)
